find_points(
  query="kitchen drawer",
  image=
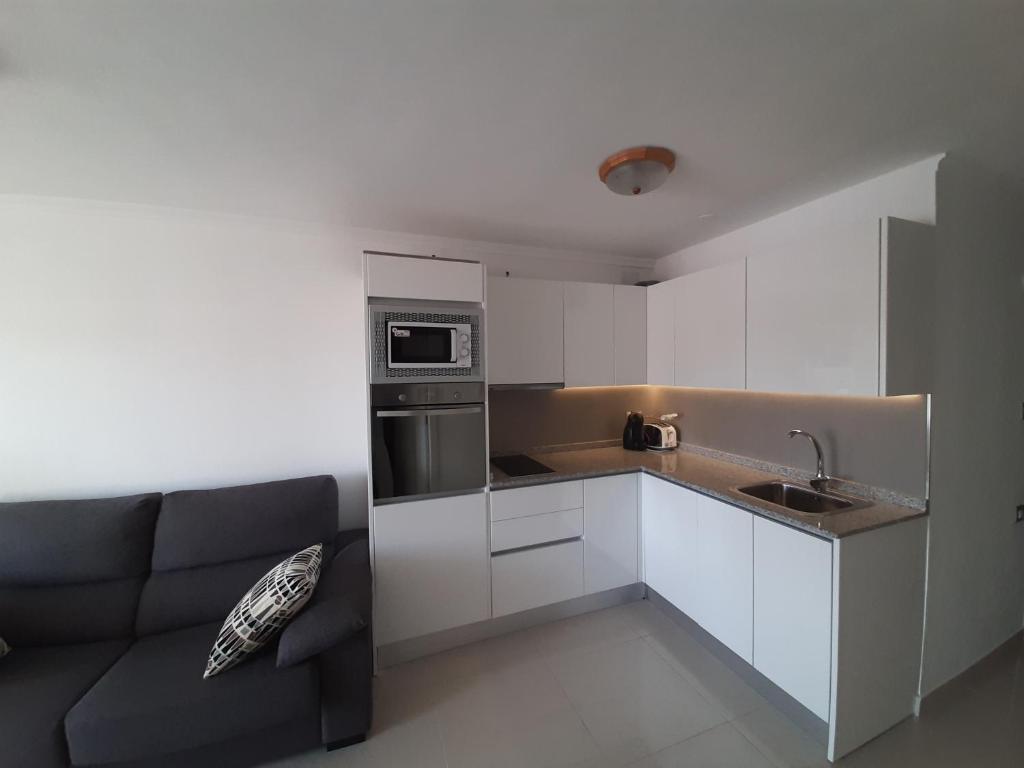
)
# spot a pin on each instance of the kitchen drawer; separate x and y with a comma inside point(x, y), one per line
point(536, 499)
point(530, 578)
point(536, 529)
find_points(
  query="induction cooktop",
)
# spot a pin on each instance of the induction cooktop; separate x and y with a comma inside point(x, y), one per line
point(520, 465)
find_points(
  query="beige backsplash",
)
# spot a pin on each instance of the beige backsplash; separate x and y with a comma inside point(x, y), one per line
point(876, 441)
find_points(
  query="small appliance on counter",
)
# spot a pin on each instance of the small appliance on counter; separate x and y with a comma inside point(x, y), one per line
point(633, 434)
point(660, 435)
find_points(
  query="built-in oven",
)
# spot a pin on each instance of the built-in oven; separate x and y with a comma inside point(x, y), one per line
point(427, 439)
point(425, 342)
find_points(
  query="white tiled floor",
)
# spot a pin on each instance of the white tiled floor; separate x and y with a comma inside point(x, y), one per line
point(627, 687)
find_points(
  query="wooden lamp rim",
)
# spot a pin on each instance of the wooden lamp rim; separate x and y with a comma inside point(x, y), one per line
point(665, 156)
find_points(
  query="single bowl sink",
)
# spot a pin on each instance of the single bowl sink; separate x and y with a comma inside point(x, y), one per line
point(800, 499)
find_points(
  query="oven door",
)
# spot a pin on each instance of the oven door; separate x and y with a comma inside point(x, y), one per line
point(432, 450)
point(422, 345)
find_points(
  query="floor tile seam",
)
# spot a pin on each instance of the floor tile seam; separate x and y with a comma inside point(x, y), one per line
point(576, 711)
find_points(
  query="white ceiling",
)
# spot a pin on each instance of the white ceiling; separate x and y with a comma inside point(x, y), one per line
point(488, 119)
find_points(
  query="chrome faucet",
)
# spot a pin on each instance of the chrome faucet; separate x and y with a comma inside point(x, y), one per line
point(821, 480)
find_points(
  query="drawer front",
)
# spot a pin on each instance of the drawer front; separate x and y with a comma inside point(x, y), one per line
point(536, 529)
point(535, 500)
point(534, 577)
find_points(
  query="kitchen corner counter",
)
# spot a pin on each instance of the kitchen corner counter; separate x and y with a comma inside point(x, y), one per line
point(711, 476)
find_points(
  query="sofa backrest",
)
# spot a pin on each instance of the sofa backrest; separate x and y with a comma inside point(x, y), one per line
point(72, 571)
point(211, 546)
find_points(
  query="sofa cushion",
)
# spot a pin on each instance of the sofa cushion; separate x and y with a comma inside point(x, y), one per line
point(37, 688)
point(71, 571)
point(265, 609)
point(154, 700)
point(210, 546)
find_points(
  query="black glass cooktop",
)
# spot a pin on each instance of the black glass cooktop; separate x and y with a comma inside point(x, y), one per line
point(520, 465)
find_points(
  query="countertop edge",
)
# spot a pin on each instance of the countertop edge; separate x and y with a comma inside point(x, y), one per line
point(728, 496)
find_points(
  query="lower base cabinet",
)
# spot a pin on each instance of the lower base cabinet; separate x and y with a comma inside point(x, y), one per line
point(431, 566)
point(530, 578)
point(610, 541)
point(793, 612)
point(725, 593)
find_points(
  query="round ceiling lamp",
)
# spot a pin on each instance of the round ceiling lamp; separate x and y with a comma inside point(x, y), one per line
point(637, 170)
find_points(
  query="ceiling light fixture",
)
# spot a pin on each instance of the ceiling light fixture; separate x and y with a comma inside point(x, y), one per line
point(637, 170)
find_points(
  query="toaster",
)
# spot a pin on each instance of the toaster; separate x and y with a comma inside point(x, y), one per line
point(660, 435)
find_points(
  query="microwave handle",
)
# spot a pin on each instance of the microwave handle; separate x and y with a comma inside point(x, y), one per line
point(433, 412)
point(455, 346)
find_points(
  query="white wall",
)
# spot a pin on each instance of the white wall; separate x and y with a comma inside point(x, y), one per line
point(154, 349)
point(976, 551)
point(908, 193)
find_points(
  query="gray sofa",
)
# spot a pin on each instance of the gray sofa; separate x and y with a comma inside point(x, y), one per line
point(111, 607)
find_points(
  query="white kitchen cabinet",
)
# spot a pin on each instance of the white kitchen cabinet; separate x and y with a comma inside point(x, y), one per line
point(431, 566)
point(669, 514)
point(710, 327)
point(725, 599)
point(536, 529)
point(409, 277)
point(530, 578)
point(536, 499)
point(610, 548)
point(524, 331)
point(589, 334)
point(661, 334)
point(793, 612)
point(630, 334)
point(842, 312)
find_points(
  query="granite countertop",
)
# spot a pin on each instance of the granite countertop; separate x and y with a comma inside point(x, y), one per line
point(711, 476)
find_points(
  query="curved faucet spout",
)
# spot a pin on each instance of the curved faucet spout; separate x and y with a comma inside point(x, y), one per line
point(821, 480)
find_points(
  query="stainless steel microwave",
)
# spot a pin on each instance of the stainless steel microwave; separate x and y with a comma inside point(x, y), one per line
point(425, 342)
point(429, 345)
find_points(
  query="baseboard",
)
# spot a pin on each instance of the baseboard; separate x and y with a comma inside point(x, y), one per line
point(417, 647)
point(809, 722)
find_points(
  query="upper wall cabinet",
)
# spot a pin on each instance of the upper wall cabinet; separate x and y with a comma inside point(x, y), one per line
point(589, 334)
point(409, 277)
point(840, 311)
point(661, 334)
point(630, 334)
point(524, 331)
point(710, 333)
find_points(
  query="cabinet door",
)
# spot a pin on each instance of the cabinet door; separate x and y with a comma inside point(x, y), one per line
point(669, 525)
point(610, 532)
point(793, 612)
point(524, 331)
point(589, 335)
point(725, 604)
point(813, 314)
point(431, 566)
point(405, 277)
point(630, 334)
point(530, 578)
point(710, 327)
point(661, 334)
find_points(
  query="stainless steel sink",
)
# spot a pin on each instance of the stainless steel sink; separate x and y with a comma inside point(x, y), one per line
point(801, 499)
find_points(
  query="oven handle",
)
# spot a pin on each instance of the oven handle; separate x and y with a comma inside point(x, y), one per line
point(433, 412)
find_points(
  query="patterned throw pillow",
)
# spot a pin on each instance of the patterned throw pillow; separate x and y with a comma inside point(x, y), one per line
point(264, 609)
point(4, 648)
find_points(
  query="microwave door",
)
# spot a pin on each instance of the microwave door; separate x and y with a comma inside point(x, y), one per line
point(457, 450)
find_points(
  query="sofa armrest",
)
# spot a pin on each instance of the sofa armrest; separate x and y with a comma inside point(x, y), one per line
point(346, 668)
point(339, 608)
